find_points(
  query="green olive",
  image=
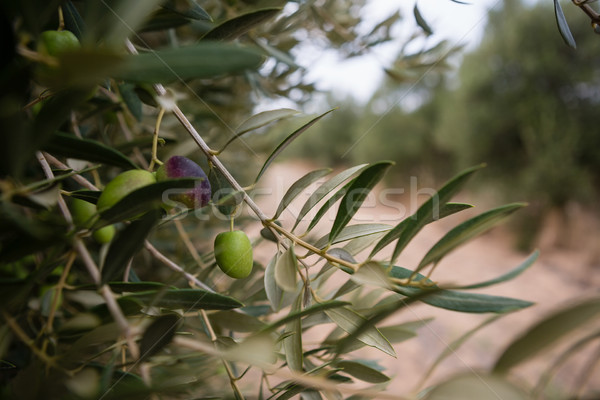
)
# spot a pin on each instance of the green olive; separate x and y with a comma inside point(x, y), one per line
point(84, 214)
point(233, 253)
point(104, 235)
point(54, 43)
point(51, 45)
point(123, 184)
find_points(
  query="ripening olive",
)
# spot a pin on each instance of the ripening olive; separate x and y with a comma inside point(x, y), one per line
point(123, 184)
point(182, 167)
point(233, 253)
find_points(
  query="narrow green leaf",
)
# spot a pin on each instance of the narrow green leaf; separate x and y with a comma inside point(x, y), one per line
point(298, 187)
point(505, 277)
point(87, 67)
point(127, 243)
point(286, 142)
point(451, 348)
point(264, 118)
point(406, 230)
point(445, 211)
point(311, 394)
point(289, 392)
point(163, 19)
point(273, 291)
point(325, 189)
point(356, 246)
point(347, 287)
point(361, 371)
point(574, 349)
point(372, 274)
point(326, 206)
point(476, 386)
point(143, 199)
point(224, 196)
point(341, 254)
point(285, 270)
point(563, 25)
point(356, 195)
point(268, 234)
point(317, 308)
point(185, 299)
point(91, 196)
point(404, 331)
point(190, 10)
point(123, 287)
point(421, 21)
point(125, 20)
point(292, 344)
point(67, 145)
point(132, 100)
point(466, 231)
point(128, 307)
point(238, 26)
point(257, 121)
point(236, 321)
point(456, 300)
point(353, 232)
point(37, 185)
point(277, 54)
point(159, 334)
point(546, 333)
point(451, 209)
point(202, 60)
point(73, 20)
point(350, 321)
point(381, 313)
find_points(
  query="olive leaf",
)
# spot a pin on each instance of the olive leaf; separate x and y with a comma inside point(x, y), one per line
point(286, 274)
point(356, 194)
point(325, 189)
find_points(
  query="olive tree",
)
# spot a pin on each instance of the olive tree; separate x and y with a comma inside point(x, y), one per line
point(90, 113)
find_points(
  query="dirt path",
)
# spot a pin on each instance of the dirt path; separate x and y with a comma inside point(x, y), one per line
point(559, 276)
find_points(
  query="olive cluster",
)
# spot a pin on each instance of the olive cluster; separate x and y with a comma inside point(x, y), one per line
point(233, 250)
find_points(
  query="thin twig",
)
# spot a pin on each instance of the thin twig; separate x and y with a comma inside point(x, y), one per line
point(58, 291)
point(161, 91)
point(175, 267)
point(92, 268)
point(153, 250)
point(124, 127)
point(213, 338)
point(155, 159)
point(14, 326)
point(78, 178)
point(303, 379)
point(188, 243)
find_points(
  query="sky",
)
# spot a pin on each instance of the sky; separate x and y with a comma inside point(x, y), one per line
point(359, 77)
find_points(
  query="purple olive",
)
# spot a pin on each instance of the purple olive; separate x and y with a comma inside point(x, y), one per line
point(182, 167)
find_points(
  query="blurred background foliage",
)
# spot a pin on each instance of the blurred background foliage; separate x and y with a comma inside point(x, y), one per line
point(521, 101)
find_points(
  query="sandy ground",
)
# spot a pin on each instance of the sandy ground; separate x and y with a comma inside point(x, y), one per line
point(561, 275)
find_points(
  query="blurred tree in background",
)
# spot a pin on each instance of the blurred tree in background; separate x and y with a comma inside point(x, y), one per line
point(527, 105)
point(522, 101)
